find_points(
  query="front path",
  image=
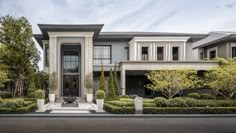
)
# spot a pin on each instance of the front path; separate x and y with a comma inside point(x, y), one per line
point(115, 125)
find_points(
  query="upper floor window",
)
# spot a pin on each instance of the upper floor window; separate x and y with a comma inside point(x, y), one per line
point(71, 62)
point(233, 52)
point(46, 56)
point(101, 54)
point(144, 53)
point(201, 55)
point(212, 54)
point(160, 53)
point(175, 53)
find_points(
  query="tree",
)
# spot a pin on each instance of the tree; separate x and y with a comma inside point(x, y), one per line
point(3, 75)
point(116, 81)
point(171, 82)
point(53, 83)
point(18, 51)
point(89, 82)
point(102, 85)
point(222, 79)
point(111, 88)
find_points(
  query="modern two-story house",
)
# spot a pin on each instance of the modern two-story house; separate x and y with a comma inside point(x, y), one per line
point(73, 51)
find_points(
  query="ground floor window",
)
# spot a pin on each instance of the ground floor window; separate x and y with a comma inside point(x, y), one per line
point(102, 54)
point(212, 54)
point(233, 52)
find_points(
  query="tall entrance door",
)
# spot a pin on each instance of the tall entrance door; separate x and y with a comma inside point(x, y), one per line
point(71, 70)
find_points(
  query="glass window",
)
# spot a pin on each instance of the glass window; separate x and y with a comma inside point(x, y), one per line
point(71, 62)
point(46, 56)
point(201, 56)
point(101, 54)
point(233, 52)
point(160, 53)
point(212, 54)
point(144, 53)
point(175, 53)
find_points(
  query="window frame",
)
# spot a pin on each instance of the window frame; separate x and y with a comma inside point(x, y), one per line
point(46, 56)
point(144, 54)
point(233, 47)
point(163, 53)
point(172, 50)
point(110, 46)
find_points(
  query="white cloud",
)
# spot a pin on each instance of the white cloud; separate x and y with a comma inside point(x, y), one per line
point(133, 15)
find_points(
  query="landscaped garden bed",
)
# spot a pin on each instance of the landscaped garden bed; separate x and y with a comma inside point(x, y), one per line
point(173, 106)
point(17, 105)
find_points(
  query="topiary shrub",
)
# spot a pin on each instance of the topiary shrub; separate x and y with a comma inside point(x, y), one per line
point(5, 94)
point(160, 102)
point(111, 89)
point(207, 96)
point(40, 94)
point(194, 95)
point(176, 102)
point(124, 96)
point(100, 94)
point(190, 102)
point(133, 96)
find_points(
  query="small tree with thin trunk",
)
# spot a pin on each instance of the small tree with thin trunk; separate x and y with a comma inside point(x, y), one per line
point(89, 83)
point(116, 82)
point(111, 88)
point(171, 82)
point(102, 85)
point(222, 79)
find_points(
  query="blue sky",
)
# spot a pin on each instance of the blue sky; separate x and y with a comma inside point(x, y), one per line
point(197, 16)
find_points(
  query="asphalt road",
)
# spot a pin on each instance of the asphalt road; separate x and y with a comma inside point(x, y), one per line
point(115, 125)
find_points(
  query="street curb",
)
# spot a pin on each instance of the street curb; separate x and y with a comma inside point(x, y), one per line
point(122, 115)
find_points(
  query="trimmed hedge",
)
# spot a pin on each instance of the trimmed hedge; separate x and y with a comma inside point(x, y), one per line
point(25, 109)
point(171, 110)
point(207, 96)
point(194, 95)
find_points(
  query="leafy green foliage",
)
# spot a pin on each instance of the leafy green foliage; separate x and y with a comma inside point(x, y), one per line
point(176, 102)
point(207, 96)
point(222, 79)
point(89, 82)
point(100, 94)
point(171, 82)
point(116, 87)
point(40, 94)
point(3, 75)
point(5, 94)
point(53, 82)
point(111, 88)
point(102, 85)
point(194, 95)
point(18, 51)
point(160, 102)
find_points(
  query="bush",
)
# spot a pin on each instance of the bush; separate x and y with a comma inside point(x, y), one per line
point(126, 100)
point(133, 96)
point(160, 102)
point(176, 102)
point(124, 96)
point(11, 103)
point(40, 94)
point(5, 94)
point(24, 109)
point(118, 110)
point(194, 95)
point(207, 96)
point(100, 94)
point(190, 102)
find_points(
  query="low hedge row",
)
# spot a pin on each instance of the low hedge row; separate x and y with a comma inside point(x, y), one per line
point(171, 110)
point(24, 109)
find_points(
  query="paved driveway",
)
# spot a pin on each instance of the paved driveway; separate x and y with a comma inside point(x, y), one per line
point(115, 125)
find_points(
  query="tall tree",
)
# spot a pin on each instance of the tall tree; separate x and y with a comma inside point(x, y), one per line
point(111, 88)
point(222, 79)
point(171, 82)
point(102, 85)
point(3, 75)
point(18, 51)
point(115, 81)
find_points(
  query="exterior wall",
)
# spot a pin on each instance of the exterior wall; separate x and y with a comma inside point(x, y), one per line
point(45, 68)
point(85, 39)
point(189, 52)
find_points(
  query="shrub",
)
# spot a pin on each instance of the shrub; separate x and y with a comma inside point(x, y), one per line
point(207, 96)
point(190, 102)
point(5, 94)
point(160, 102)
point(118, 110)
point(124, 96)
point(102, 84)
point(194, 95)
point(133, 96)
point(100, 94)
point(126, 100)
point(11, 103)
point(111, 88)
point(40, 94)
point(176, 102)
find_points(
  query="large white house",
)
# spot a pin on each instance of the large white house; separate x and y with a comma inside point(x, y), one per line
point(73, 51)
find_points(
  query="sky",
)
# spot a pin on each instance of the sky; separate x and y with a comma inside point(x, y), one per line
point(188, 16)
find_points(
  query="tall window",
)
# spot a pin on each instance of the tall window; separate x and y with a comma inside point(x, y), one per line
point(175, 53)
point(46, 56)
point(71, 62)
point(101, 54)
point(201, 55)
point(212, 54)
point(144, 53)
point(233, 52)
point(160, 53)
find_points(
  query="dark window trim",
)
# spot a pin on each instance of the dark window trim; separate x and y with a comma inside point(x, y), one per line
point(210, 54)
point(110, 52)
point(144, 54)
point(163, 55)
point(234, 47)
point(46, 56)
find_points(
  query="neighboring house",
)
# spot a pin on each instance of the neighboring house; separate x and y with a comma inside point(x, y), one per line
point(73, 51)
